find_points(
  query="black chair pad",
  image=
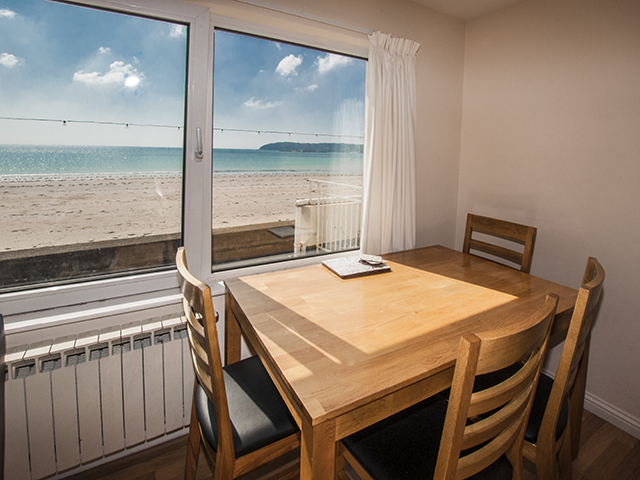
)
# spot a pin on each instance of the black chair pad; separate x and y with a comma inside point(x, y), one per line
point(258, 414)
point(545, 384)
point(405, 446)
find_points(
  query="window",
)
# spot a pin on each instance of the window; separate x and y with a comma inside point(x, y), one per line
point(188, 212)
point(92, 128)
point(287, 150)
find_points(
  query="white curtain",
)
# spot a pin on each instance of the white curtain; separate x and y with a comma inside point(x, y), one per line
point(389, 215)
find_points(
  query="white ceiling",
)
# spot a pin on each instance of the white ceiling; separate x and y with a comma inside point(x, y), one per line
point(466, 9)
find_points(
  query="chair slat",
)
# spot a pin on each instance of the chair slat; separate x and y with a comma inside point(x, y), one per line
point(577, 357)
point(199, 347)
point(498, 395)
point(498, 251)
point(480, 459)
point(498, 350)
point(503, 230)
point(194, 320)
point(483, 430)
point(584, 333)
point(201, 372)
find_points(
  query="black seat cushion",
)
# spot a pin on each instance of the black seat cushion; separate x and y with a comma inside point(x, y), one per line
point(258, 414)
point(545, 384)
point(405, 446)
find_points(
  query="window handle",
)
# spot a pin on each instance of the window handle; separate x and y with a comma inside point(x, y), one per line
point(198, 145)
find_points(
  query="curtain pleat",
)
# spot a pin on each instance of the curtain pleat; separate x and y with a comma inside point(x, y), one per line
point(389, 215)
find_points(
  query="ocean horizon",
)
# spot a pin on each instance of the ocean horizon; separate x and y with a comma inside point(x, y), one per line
point(36, 161)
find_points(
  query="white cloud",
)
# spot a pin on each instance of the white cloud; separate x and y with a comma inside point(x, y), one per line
point(8, 60)
point(177, 31)
point(253, 103)
point(312, 88)
point(331, 61)
point(7, 13)
point(288, 65)
point(118, 74)
point(102, 50)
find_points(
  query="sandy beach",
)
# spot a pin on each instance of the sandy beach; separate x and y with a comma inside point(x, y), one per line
point(70, 210)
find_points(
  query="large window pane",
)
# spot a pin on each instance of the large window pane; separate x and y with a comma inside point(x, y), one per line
point(287, 151)
point(92, 108)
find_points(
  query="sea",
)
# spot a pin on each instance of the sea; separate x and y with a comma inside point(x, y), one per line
point(20, 162)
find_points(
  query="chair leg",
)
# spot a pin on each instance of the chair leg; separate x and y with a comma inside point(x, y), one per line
point(340, 473)
point(576, 399)
point(565, 456)
point(193, 447)
point(515, 455)
point(545, 463)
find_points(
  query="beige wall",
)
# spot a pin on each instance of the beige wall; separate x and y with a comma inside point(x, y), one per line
point(551, 138)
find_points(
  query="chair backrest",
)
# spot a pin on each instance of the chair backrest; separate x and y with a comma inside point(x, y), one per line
point(499, 413)
point(514, 232)
point(205, 350)
point(574, 345)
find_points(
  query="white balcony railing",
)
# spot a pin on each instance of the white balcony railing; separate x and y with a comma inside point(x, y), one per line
point(330, 220)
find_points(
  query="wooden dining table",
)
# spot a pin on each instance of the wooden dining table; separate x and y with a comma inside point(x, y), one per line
point(346, 353)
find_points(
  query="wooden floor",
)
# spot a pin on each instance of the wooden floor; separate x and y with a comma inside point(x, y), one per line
point(606, 453)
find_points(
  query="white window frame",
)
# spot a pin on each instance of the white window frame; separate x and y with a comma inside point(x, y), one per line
point(264, 19)
point(254, 17)
point(199, 111)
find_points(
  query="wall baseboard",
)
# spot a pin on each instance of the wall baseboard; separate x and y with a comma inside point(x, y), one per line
point(612, 414)
point(608, 412)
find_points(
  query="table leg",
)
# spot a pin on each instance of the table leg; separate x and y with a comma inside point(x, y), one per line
point(232, 334)
point(577, 400)
point(318, 451)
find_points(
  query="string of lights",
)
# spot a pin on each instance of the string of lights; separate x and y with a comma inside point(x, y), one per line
point(178, 127)
point(222, 130)
point(94, 122)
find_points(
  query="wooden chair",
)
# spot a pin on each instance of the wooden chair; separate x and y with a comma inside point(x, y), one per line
point(446, 440)
point(237, 413)
point(513, 232)
point(555, 411)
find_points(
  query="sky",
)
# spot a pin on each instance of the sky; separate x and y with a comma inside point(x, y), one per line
point(266, 85)
point(65, 62)
point(61, 62)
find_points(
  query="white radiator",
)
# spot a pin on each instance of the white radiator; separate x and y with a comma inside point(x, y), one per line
point(76, 400)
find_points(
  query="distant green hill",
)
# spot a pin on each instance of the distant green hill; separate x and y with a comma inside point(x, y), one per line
point(314, 147)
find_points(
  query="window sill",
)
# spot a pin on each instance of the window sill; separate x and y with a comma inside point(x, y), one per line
point(36, 301)
point(70, 304)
